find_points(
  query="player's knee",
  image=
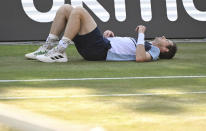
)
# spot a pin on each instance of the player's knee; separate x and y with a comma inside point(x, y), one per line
point(65, 9)
point(78, 10)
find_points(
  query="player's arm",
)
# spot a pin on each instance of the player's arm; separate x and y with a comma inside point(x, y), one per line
point(141, 54)
point(108, 33)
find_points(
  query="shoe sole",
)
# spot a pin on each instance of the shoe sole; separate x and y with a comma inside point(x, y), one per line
point(30, 58)
point(52, 61)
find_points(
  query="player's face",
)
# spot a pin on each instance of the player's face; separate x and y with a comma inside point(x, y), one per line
point(163, 43)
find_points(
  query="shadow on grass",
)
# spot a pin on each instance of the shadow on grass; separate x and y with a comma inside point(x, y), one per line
point(161, 104)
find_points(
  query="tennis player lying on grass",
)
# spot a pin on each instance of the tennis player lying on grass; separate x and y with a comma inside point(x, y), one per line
point(81, 29)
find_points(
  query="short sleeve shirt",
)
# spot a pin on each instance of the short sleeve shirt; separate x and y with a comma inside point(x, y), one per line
point(124, 49)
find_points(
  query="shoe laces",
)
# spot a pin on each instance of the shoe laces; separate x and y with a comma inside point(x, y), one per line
point(42, 48)
point(52, 51)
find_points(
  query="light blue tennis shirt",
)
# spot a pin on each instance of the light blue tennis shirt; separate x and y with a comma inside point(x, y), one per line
point(124, 49)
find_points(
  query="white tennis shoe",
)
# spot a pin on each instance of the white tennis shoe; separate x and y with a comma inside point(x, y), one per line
point(53, 55)
point(40, 51)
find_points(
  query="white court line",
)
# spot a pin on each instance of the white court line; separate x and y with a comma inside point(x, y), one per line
point(111, 78)
point(101, 95)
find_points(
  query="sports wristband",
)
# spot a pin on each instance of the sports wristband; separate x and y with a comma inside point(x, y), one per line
point(140, 39)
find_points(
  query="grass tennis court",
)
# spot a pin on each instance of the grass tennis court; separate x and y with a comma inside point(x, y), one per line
point(173, 104)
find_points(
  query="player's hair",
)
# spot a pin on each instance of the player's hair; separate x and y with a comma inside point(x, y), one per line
point(171, 53)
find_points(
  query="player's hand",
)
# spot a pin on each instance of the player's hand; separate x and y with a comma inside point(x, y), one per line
point(140, 29)
point(108, 33)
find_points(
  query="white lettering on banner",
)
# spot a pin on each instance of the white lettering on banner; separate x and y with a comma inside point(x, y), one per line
point(34, 14)
point(172, 10)
point(146, 11)
point(120, 10)
point(193, 12)
point(98, 9)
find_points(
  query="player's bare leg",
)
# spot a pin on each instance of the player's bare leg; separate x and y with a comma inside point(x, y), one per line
point(61, 19)
point(79, 22)
point(57, 28)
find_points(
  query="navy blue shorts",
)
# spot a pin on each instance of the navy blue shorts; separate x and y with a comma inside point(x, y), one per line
point(92, 46)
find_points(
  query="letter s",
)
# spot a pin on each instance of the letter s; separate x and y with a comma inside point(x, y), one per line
point(34, 14)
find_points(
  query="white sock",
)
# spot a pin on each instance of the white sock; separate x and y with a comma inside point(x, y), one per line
point(63, 44)
point(53, 36)
point(51, 40)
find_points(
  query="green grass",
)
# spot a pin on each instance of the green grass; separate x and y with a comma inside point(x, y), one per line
point(156, 113)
